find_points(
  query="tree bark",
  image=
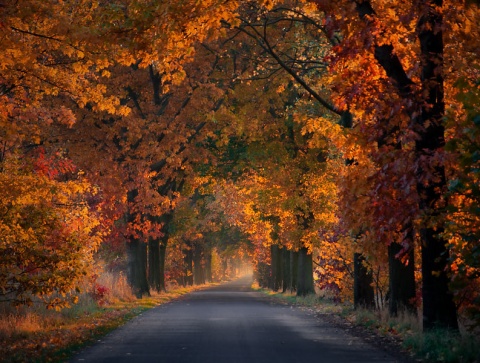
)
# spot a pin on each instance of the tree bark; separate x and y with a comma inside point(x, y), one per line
point(154, 264)
point(273, 266)
point(279, 275)
point(277, 267)
point(286, 271)
point(159, 269)
point(161, 264)
point(363, 293)
point(188, 264)
point(305, 273)
point(402, 290)
point(137, 257)
point(293, 270)
point(198, 271)
point(438, 305)
point(208, 266)
point(224, 268)
point(137, 261)
point(262, 274)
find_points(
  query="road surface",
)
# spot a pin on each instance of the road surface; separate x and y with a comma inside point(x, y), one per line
point(229, 323)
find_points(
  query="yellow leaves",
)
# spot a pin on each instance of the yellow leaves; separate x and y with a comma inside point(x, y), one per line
point(47, 233)
point(326, 132)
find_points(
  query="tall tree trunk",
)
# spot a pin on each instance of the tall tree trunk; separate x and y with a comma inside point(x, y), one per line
point(165, 219)
point(198, 271)
point(438, 305)
point(277, 267)
point(188, 264)
point(273, 266)
point(401, 281)
point(305, 273)
point(208, 266)
point(154, 264)
point(286, 270)
point(137, 257)
point(293, 270)
point(363, 293)
point(137, 261)
point(224, 268)
point(161, 268)
point(262, 274)
point(401, 277)
point(279, 273)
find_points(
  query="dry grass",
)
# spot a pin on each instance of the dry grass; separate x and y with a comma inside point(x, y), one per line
point(117, 285)
point(35, 334)
point(17, 324)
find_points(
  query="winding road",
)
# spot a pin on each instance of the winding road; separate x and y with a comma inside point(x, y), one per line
point(229, 323)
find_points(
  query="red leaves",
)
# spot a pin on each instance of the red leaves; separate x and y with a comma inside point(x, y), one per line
point(98, 292)
point(53, 165)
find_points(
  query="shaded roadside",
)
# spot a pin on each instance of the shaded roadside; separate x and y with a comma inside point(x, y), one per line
point(66, 334)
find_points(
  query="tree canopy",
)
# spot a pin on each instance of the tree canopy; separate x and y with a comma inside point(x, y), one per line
point(303, 136)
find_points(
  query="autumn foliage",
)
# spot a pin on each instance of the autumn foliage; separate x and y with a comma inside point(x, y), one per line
point(49, 233)
point(176, 141)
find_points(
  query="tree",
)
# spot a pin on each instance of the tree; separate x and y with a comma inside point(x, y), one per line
point(463, 192)
point(54, 231)
point(382, 86)
point(49, 230)
point(417, 75)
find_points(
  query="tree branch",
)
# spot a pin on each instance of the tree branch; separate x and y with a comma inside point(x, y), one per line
point(385, 55)
point(263, 42)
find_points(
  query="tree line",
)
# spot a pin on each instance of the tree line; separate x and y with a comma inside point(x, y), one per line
point(332, 144)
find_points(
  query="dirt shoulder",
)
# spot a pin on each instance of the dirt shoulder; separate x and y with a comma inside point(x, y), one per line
point(343, 318)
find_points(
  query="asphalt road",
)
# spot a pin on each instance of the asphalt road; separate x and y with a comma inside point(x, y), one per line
point(229, 323)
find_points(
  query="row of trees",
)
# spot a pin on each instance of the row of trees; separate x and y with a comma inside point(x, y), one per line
point(107, 131)
point(339, 138)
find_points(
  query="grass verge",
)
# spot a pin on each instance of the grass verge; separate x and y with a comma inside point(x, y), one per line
point(50, 336)
point(403, 331)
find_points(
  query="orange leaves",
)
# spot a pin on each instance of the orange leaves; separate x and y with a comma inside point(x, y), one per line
point(48, 237)
point(334, 271)
point(173, 28)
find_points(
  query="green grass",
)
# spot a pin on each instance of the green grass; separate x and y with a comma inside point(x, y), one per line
point(441, 345)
